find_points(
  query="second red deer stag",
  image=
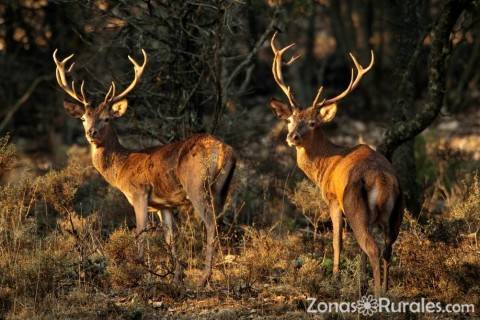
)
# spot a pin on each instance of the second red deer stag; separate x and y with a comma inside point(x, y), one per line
point(358, 183)
point(197, 170)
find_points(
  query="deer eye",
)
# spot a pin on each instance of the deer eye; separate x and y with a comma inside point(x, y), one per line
point(83, 119)
point(106, 119)
point(311, 124)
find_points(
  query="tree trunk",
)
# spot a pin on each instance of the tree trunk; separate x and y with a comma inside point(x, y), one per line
point(408, 123)
point(406, 33)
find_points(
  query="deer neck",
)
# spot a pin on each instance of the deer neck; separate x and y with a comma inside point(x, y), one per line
point(109, 157)
point(317, 158)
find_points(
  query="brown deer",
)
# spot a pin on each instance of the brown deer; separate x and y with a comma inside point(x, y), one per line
point(358, 183)
point(197, 170)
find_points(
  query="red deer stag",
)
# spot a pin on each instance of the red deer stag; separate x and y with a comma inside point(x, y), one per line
point(197, 170)
point(358, 183)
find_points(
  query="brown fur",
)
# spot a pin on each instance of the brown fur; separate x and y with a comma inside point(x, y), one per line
point(358, 183)
point(195, 171)
point(164, 172)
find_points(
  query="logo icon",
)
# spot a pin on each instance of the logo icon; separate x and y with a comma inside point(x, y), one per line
point(367, 305)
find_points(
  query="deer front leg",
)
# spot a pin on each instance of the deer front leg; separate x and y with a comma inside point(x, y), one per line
point(140, 203)
point(337, 221)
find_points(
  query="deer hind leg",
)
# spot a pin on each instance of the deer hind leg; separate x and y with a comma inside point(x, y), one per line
point(362, 279)
point(199, 198)
point(208, 218)
point(391, 233)
point(337, 222)
point(356, 211)
point(369, 247)
point(386, 257)
point(210, 226)
point(168, 228)
point(221, 184)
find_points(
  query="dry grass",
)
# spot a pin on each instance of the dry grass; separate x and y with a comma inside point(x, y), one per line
point(7, 155)
point(67, 250)
point(467, 208)
point(308, 199)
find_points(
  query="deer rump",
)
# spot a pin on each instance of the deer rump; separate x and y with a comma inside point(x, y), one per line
point(373, 182)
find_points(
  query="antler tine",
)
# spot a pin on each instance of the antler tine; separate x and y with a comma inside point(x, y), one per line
point(71, 66)
point(360, 70)
point(111, 91)
point(61, 65)
point(82, 92)
point(317, 97)
point(343, 94)
point(60, 74)
point(138, 71)
point(277, 68)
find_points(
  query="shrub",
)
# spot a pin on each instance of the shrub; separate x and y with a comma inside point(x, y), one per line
point(264, 257)
point(58, 188)
point(310, 274)
point(123, 268)
point(307, 197)
point(7, 154)
point(468, 208)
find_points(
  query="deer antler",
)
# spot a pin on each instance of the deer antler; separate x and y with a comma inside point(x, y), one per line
point(277, 69)
point(62, 79)
point(138, 70)
point(361, 71)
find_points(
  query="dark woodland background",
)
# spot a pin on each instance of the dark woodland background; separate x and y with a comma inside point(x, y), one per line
point(209, 70)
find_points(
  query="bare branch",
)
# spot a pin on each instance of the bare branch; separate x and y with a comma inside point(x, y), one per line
point(248, 59)
point(24, 98)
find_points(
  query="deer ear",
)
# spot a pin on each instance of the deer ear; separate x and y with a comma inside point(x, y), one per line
point(119, 108)
point(73, 109)
point(282, 110)
point(328, 112)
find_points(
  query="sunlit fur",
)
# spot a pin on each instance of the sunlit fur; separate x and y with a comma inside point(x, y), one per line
point(357, 183)
point(301, 124)
point(195, 171)
point(96, 119)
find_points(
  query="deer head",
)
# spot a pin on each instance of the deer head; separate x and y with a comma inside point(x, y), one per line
point(96, 119)
point(302, 122)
